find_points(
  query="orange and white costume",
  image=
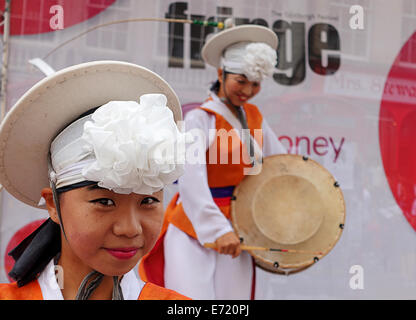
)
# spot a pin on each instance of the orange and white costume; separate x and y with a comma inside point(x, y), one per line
point(113, 106)
point(200, 213)
point(46, 288)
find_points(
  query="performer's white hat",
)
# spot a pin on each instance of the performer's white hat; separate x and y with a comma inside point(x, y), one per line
point(33, 123)
point(246, 49)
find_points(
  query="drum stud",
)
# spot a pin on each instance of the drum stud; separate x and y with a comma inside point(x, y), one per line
point(233, 198)
point(305, 158)
point(276, 264)
point(336, 184)
point(341, 226)
point(241, 239)
point(316, 259)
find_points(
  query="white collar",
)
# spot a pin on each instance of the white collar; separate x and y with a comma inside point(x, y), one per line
point(49, 283)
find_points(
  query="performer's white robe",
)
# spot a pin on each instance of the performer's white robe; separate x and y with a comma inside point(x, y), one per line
point(190, 268)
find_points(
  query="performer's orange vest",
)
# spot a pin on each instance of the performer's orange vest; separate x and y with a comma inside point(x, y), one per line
point(222, 179)
point(32, 291)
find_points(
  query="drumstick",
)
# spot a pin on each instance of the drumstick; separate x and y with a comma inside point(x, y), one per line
point(254, 248)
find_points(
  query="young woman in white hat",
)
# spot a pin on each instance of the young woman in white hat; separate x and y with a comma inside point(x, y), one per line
point(98, 143)
point(200, 213)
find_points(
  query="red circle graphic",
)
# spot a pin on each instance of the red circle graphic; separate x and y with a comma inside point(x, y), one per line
point(18, 237)
point(39, 16)
point(397, 129)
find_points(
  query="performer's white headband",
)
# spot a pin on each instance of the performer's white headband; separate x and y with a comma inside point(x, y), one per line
point(256, 60)
point(125, 146)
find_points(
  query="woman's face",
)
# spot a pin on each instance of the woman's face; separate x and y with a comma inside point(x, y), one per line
point(237, 87)
point(107, 231)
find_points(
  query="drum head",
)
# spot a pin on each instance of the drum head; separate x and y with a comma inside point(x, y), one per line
point(294, 203)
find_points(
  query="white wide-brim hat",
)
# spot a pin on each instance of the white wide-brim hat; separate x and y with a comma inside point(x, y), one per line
point(213, 49)
point(54, 102)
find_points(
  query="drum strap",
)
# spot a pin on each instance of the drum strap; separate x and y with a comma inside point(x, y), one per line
point(243, 121)
point(239, 123)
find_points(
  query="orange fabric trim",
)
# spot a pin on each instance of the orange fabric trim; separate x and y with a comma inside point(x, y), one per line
point(151, 267)
point(254, 118)
point(226, 210)
point(30, 291)
point(221, 175)
point(151, 291)
point(180, 220)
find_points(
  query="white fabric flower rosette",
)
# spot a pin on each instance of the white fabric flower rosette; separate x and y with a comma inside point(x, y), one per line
point(137, 146)
point(259, 61)
point(125, 146)
point(256, 60)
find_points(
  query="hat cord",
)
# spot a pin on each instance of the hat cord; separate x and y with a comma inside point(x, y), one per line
point(87, 287)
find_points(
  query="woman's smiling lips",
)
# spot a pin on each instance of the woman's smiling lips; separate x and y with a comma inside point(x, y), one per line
point(242, 97)
point(122, 253)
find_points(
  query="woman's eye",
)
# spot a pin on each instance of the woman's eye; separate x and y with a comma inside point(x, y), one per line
point(149, 200)
point(104, 202)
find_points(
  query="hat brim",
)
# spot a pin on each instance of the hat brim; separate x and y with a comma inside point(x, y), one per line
point(54, 102)
point(276, 171)
point(213, 49)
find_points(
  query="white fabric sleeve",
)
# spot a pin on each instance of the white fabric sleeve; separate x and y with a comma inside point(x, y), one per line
point(271, 144)
point(207, 219)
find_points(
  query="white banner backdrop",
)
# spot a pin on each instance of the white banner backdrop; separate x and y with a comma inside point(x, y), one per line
point(324, 101)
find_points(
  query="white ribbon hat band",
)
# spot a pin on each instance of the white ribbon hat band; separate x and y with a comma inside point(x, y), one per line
point(125, 146)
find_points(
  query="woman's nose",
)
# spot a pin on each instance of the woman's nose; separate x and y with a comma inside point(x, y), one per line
point(247, 90)
point(128, 223)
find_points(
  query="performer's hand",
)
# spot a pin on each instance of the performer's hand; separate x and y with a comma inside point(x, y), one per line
point(229, 243)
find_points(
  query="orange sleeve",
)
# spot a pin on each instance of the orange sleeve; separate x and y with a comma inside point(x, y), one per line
point(151, 291)
point(30, 291)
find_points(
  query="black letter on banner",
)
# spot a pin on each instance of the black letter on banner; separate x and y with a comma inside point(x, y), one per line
point(323, 36)
point(291, 59)
point(199, 34)
point(239, 21)
point(224, 11)
point(176, 34)
point(260, 22)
